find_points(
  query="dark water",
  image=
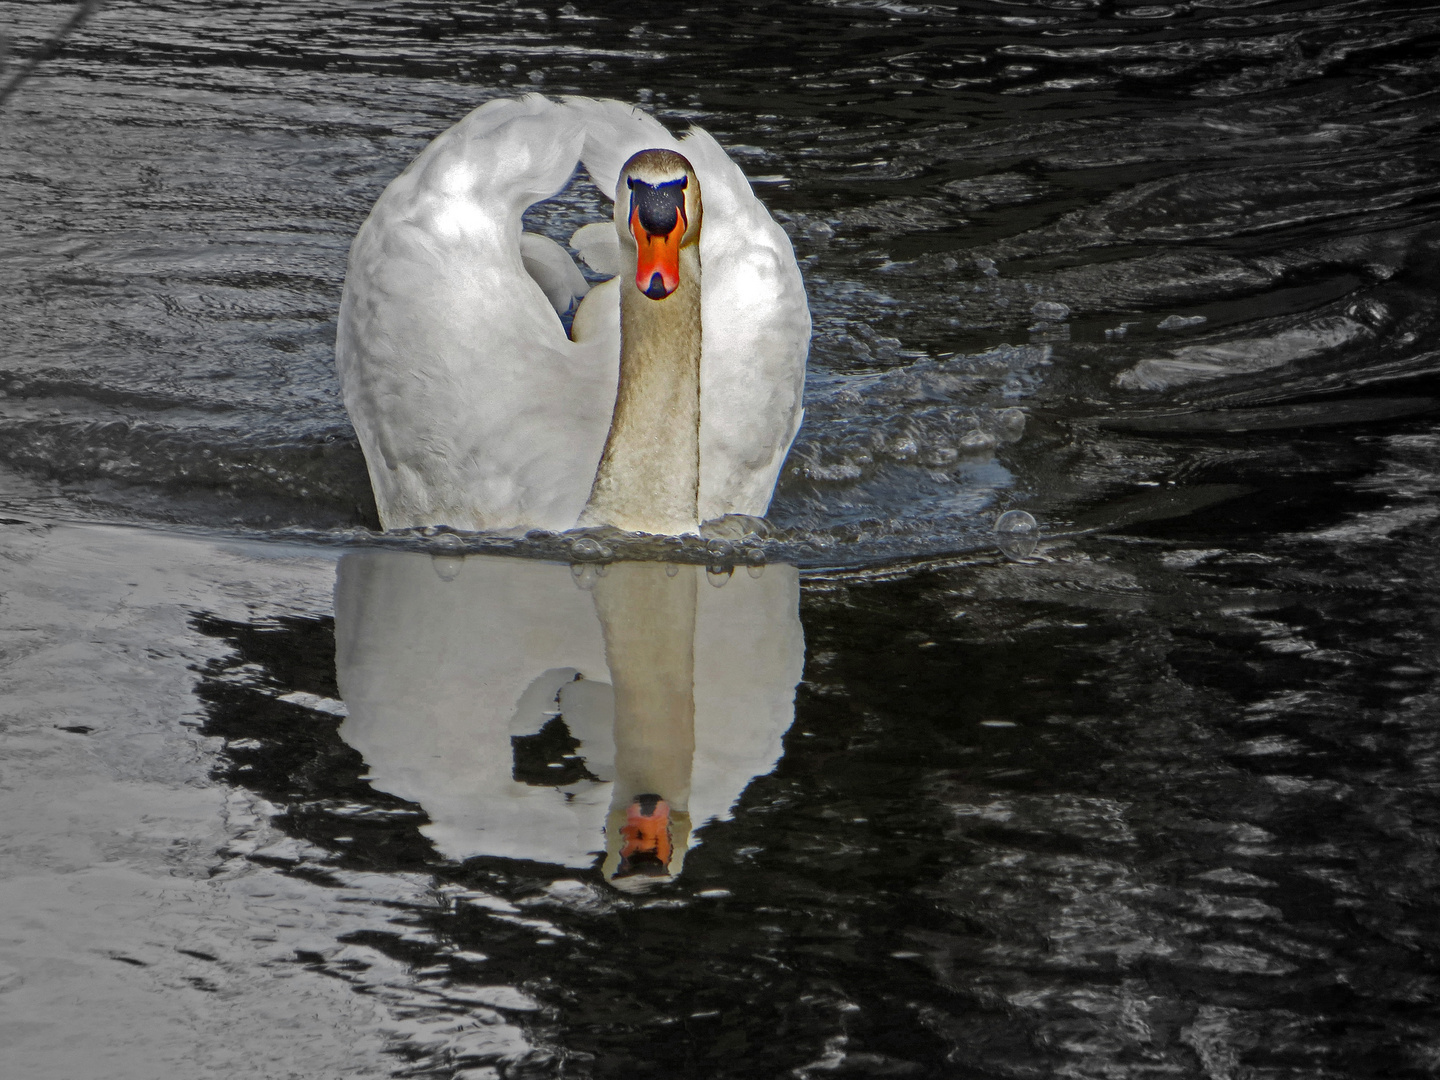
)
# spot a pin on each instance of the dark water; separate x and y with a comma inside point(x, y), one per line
point(1161, 801)
point(1151, 806)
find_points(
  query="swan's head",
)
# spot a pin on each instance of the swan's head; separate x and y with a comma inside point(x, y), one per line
point(657, 208)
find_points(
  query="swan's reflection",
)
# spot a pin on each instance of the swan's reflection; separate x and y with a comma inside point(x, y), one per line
point(535, 713)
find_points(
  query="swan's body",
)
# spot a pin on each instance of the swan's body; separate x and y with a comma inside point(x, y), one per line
point(474, 408)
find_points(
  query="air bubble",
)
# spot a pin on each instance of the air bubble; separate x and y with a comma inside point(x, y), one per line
point(1010, 424)
point(1179, 322)
point(903, 448)
point(1016, 521)
point(843, 471)
point(1050, 309)
point(587, 548)
point(720, 549)
point(1016, 535)
point(447, 556)
point(977, 442)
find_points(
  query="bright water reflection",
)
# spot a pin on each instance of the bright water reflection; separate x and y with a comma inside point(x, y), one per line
point(550, 716)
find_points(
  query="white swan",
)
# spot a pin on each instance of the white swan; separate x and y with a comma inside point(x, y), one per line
point(475, 409)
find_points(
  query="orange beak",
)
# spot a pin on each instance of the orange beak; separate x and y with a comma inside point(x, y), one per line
point(657, 269)
point(646, 836)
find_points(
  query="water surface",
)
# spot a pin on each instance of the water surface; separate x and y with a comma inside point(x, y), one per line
point(1158, 800)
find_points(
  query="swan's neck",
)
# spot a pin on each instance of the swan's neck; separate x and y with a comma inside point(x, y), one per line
point(649, 475)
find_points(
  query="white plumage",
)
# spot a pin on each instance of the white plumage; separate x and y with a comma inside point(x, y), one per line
point(473, 407)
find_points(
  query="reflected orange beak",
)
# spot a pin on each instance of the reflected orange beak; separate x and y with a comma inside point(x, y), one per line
point(647, 844)
point(657, 269)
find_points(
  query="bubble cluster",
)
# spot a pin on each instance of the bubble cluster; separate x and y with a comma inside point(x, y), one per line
point(588, 549)
point(932, 415)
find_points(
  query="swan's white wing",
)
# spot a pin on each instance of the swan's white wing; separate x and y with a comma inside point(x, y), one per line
point(597, 324)
point(473, 407)
point(599, 245)
point(756, 336)
point(553, 270)
point(614, 133)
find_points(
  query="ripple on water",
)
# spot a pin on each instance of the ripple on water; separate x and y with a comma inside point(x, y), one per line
point(188, 286)
point(1156, 800)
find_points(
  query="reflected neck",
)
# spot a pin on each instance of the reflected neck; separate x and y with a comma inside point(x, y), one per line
point(648, 619)
point(649, 474)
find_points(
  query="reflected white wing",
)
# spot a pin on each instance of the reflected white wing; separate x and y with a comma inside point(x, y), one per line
point(438, 675)
point(749, 656)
